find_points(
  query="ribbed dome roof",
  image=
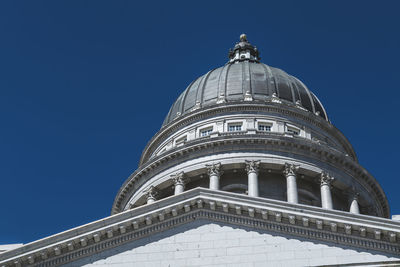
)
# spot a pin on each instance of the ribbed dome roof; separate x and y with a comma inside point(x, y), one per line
point(243, 78)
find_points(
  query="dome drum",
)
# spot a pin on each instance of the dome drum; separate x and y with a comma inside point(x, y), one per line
point(317, 129)
point(277, 125)
point(348, 174)
point(272, 182)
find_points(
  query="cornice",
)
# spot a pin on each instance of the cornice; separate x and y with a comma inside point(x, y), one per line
point(274, 141)
point(313, 223)
point(241, 107)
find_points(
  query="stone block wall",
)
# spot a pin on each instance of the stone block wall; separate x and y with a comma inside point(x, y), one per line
point(204, 243)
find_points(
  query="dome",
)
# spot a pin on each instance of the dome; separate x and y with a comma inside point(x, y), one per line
point(245, 128)
point(244, 78)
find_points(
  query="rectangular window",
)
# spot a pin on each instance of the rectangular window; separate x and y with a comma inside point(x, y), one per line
point(206, 132)
point(181, 141)
point(234, 127)
point(293, 131)
point(264, 127)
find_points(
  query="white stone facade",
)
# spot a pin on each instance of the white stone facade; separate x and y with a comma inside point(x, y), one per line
point(206, 243)
point(220, 216)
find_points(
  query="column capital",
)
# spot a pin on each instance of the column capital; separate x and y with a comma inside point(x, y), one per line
point(179, 178)
point(151, 193)
point(354, 195)
point(214, 169)
point(290, 169)
point(326, 178)
point(252, 166)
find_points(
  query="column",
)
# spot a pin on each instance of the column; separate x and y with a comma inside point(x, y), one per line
point(214, 171)
point(179, 181)
point(252, 167)
point(354, 208)
point(326, 197)
point(291, 183)
point(151, 194)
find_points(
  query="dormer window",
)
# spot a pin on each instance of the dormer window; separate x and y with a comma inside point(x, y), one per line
point(234, 127)
point(206, 131)
point(264, 127)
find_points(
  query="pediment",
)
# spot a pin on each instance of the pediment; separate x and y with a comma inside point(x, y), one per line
point(199, 209)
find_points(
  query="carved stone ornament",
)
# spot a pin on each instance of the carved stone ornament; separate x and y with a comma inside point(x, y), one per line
point(326, 178)
point(151, 192)
point(221, 98)
point(252, 166)
point(275, 98)
point(248, 96)
point(179, 178)
point(214, 169)
point(196, 106)
point(290, 169)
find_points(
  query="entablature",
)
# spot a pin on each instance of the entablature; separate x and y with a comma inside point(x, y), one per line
point(358, 231)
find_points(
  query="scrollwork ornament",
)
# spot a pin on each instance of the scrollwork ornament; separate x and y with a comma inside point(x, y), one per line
point(290, 169)
point(252, 166)
point(326, 178)
point(214, 169)
point(151, 192)
point(179, 179)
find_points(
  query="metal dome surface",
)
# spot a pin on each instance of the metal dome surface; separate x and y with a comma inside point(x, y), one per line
point(243, 78)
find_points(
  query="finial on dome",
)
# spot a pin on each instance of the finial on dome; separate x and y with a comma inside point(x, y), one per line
point(243, 51)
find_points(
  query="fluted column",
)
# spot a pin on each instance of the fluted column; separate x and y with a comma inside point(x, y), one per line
point(151, 194)
point(252, 167)
point(354, 208)
point(326, 196)
point(179, 181)
point(291, 183)
point(214, 171)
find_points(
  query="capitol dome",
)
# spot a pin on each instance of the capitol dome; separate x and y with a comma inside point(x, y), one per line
point(244, 78)
point(250, 129)
point(246, 170)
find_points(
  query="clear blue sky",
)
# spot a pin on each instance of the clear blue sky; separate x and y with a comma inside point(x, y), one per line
point(85, 84)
